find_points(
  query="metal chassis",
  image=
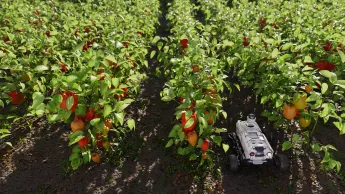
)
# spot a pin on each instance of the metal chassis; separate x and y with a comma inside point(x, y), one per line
point(238, 150)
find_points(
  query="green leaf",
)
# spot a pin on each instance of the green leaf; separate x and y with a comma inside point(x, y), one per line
point(120, 117)
point(225, 147)
point(166, 98)
point(326, 158)
point(118, 45)
point(342, 56)
point(175, 129)
point(131, 124)
point(338, 166)
point(275, 53)
point(115, 82)
point(340, 83)
point(316, 147)
point(120, 106)
point(199, 103)
point(111, 58)
point(95, 121)
point(75, 137)
point(4, 131)
point(53, 118)
point(286, 145)
point(332, 147)
point(238, 87)
point(225, 115)
point(269, 41)
point(53, 33)
point(103, 88)
point(307, 59)
point(76, 149)
point(81, 109)
point(326, 73)
point(40, 110)
point(170, 143)
point(181, 135)
point(217, 139)
point(189, 123)
point(286, 46)
point(9, 144)
point(155, 39)
point(74, 156)
point(193, 157)
point(227, 43)
point(332, 164)
point(86, 156)
point(41, 68)
point(324, 88)
point(38, 99)
point(203, 121)
point(181, 151)
point(264, 99)
point(2, 104)
point(71, 79)
point(69, 102)
point(152, 54)
point(107, 110)
point(279, 102)
point(76, 163)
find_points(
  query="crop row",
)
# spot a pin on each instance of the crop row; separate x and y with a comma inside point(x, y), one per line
point(195, 81)
point(292, 54)
point(76, 62)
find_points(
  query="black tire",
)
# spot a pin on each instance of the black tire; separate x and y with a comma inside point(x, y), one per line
point(282, 162)
point(234, 163)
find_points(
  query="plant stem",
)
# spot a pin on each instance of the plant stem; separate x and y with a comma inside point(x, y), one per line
point(312, 131)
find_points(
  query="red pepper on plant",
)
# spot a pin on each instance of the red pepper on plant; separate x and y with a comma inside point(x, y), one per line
point(89, 115)
point(6, 39)
point(37, 13)
point(83, 142)
point(16, 97)
point(205, 144)
point(181, 100)
point(89, 43)
point(87, 30)
point(192, 107)
point(327, 46)
point(125, 44)
point(318, 85)
point(262, 22)
point(76, 32)
point(85, 47)
point(121, 96)
point(99, 142)
point(184, 43)
point(65, 96)
point(184, 121)
point(324, 65)
point(340, 47)
point(245, 42)
point(63, 67)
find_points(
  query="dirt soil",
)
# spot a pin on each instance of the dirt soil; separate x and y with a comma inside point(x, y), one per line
point(38, 162)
